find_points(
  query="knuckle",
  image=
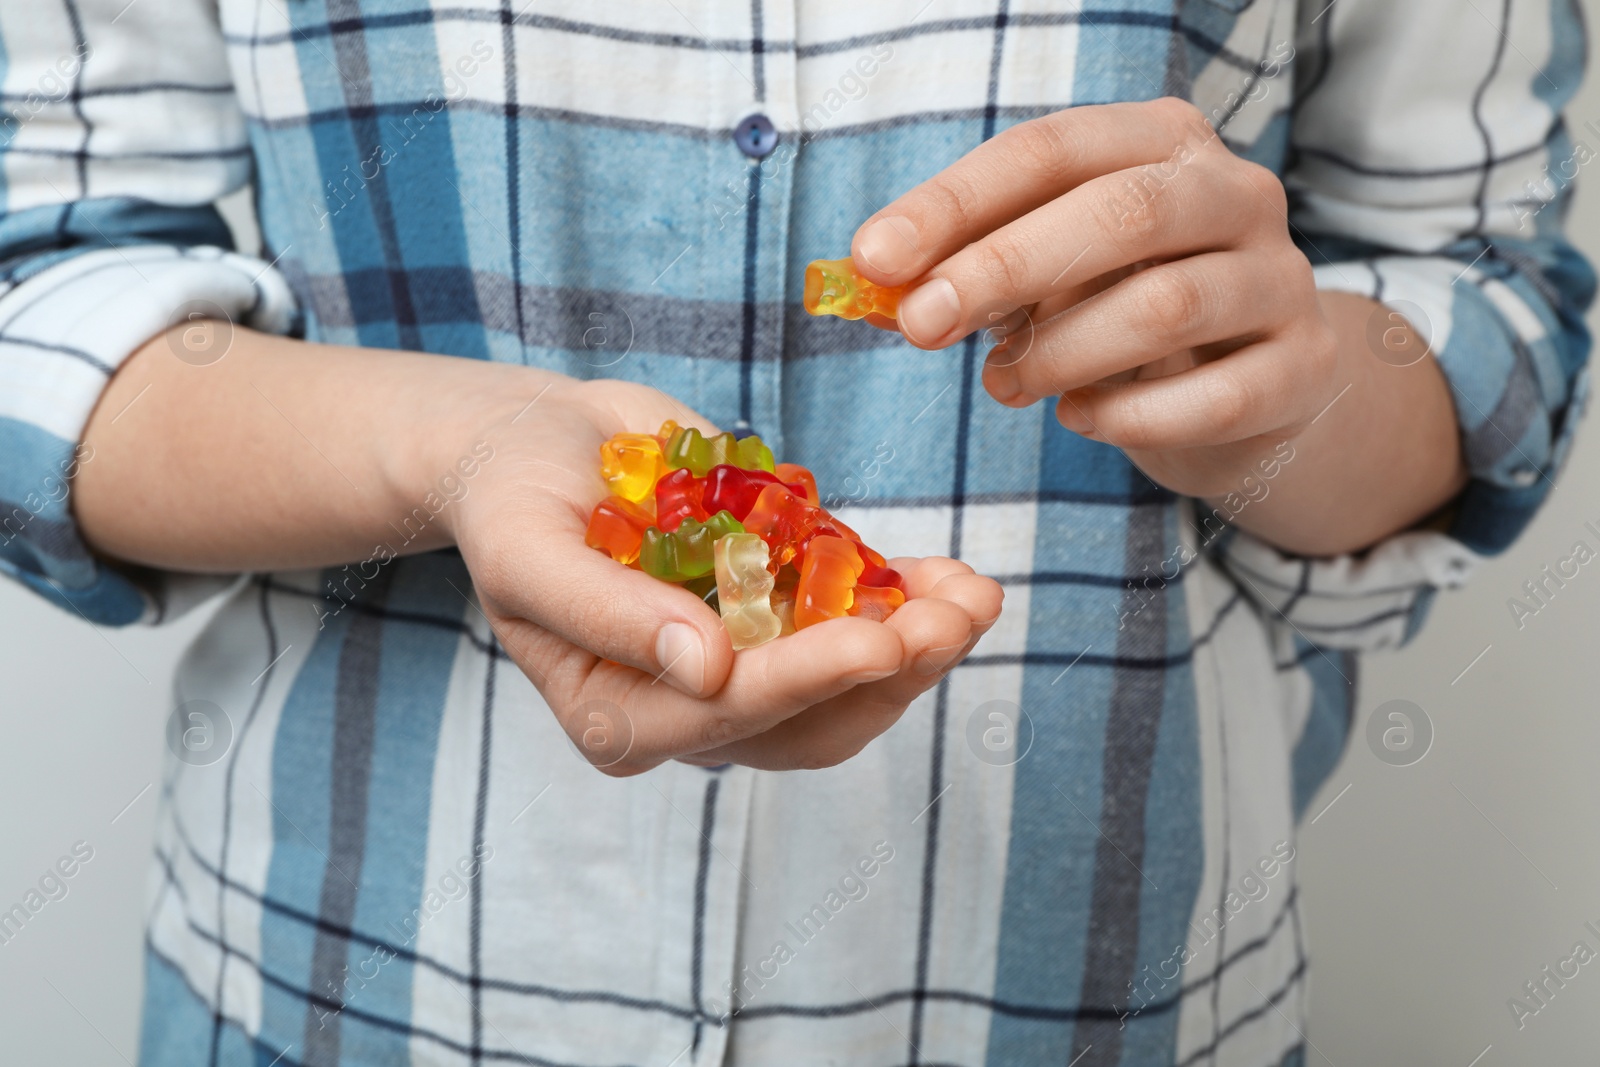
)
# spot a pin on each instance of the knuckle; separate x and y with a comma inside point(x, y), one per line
point(1293, 270)
point(1050, 146)
point(954, 199)
point(719, 729)
point(1260, 181)
point(1002, 265)
point(1180, 114)
point(1137, 205)
point(1173, 302)
point(1127, 423)
point(1229, 407)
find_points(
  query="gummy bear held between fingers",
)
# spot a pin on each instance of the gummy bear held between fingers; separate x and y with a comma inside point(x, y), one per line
point(835, 287)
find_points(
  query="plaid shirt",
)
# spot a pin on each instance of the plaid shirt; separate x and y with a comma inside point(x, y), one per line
point(1079, 847)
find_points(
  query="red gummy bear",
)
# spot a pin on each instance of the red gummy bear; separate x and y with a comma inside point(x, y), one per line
point(734, 489)
point(679, 496)
point(787, 524)
point(877, 572)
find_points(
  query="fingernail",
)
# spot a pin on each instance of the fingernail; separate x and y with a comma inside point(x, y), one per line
point(930, 311)
point(889, 245)
point(871, 675)
point(1069, 415)
point(682, 657)
point(1001, 377)
point(935, 660)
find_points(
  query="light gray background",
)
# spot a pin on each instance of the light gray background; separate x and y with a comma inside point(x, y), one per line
point(1432, 892)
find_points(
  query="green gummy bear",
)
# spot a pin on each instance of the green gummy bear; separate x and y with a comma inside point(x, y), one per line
point(689, 448)
point(754, 455)
point(686, 553)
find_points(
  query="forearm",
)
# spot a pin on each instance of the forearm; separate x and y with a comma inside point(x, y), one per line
point(283, 454)
point(1382, 457)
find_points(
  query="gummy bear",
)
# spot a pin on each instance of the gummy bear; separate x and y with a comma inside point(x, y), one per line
point(877, 572)
point(752, 454)
point(679, 496)
point(687, 448)
point(834, 287)
point(827, 581)
point(784, 521)
point(617, 527)
point(787, 523)
point(730, 488)
point(783, 592)
point(876, 602)
point(630, 463)
point(792, 474)
point(744, 590)
point(686, 552)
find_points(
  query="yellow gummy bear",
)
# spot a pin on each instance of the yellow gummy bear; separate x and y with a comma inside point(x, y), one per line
point(630, 463)
point(834, 287)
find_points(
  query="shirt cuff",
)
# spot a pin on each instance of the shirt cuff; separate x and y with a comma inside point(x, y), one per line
point(64, 331)
point(1375, 600)
point(1518, 404)
point(1517, 401)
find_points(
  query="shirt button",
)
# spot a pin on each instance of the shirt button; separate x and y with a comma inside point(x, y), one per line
point(755, 136)
point(1523, 477)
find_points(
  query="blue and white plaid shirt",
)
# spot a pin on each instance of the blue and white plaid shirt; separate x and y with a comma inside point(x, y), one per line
point(1079, 847)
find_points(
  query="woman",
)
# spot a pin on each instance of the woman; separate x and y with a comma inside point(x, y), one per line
point(494, 235)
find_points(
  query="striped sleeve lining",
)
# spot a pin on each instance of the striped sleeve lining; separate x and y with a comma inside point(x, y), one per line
point(1373, 601)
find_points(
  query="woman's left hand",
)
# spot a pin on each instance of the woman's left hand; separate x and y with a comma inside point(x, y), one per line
point(1128, 263)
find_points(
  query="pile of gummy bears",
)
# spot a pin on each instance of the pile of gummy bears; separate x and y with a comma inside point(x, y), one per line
point(717, 516)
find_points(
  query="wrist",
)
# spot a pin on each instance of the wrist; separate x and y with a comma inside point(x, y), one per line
point(1383, 453)
point(447, 425)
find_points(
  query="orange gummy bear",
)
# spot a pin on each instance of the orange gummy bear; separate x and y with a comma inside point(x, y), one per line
point(834, 287)
point(617, 528)
point(827, 581)
point(794, 474)
point(876, 603)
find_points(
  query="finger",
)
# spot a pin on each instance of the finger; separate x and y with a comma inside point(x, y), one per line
point(921, 574)
point(1013, 173)
point(767, 685)
point(1097, 228)
point(1183, 304)
point(1264, 387)
point(882, 322)
point(935, 634)
point(980, 597)
point(619, 403)
point(952, 580)
point(541, 570)
point(999, 366)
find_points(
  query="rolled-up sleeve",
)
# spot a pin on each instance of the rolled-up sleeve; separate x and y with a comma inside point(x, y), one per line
point(119, 129)
point(1431, 170)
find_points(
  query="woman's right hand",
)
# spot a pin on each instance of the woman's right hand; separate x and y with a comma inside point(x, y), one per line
point(640, 671)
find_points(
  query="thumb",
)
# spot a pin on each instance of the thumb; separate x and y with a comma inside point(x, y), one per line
point(550, 577)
